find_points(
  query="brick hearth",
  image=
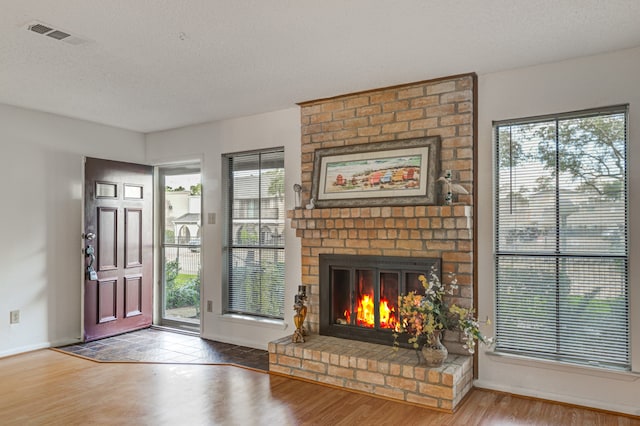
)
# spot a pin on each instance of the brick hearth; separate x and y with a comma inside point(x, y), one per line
point(374, 369)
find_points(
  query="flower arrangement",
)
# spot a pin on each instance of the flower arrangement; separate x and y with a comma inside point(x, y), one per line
point(424, 318)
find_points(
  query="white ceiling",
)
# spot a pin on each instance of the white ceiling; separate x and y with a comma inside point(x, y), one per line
point(150, 65)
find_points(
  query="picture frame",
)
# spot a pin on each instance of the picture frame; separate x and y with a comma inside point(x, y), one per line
point(400, 172)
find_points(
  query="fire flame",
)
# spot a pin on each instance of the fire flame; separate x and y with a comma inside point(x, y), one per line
point(365, 313)
point(387, 315)
point(365, 316)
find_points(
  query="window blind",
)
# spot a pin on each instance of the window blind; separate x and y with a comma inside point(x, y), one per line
point(561, 238)
point(255, 233)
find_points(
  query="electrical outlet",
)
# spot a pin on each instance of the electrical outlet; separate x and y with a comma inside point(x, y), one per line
point(14, 317)
point(209, 306)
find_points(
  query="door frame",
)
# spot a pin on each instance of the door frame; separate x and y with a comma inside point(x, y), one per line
point(158, 216)
point(181, 166)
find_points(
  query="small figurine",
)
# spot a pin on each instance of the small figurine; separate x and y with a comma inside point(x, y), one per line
point(299, 317)
point(312, 204)
point(450, 188)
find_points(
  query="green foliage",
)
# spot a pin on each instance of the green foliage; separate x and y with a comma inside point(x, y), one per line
point(171, 270)
point(510, 150)
point(261, 287)
point(532, 304)
point(196, 189)
point(589, 150)
point(181, 290)
point(248, 235)
point(276, 182)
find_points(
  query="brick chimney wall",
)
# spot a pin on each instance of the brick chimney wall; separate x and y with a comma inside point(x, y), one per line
point(443, 107)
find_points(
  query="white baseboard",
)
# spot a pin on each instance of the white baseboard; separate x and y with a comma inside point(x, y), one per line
point(567, 399)
point(38, 346)
point(234, 341)
point(23, 349)
point(65, 342)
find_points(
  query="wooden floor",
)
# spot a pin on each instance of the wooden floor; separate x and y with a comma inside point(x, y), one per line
point(49, 387)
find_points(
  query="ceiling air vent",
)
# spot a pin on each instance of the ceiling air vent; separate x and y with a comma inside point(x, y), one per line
point(40, 29)
point(54, 33)
point(58, 35)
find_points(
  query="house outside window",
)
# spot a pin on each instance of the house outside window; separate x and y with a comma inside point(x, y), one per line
point(561, 238)
point(254, 243)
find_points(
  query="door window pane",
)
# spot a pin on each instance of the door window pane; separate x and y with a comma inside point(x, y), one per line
point(133, 191)
point(106, 190)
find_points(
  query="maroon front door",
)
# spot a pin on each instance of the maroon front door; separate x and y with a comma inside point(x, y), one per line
point(118, 247)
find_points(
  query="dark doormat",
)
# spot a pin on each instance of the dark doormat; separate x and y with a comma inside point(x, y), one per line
point(151, 345)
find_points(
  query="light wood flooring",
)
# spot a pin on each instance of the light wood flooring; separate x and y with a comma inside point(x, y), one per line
point(53, 388)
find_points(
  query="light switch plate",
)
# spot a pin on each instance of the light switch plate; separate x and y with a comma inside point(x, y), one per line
point(211, 219)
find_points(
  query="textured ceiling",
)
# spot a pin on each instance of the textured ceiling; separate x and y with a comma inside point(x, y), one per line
point(157, 64)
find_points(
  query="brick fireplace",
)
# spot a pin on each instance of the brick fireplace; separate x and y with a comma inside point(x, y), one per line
point(444, 108)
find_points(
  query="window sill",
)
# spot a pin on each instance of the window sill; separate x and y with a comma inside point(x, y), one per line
point(254, 321)
point(625, 376)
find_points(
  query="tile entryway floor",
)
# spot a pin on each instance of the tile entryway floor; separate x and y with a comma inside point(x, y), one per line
point(152, 345)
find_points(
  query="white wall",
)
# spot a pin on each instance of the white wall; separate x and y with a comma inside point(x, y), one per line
point(208, 142)
point(41, 170)
point(571, 85)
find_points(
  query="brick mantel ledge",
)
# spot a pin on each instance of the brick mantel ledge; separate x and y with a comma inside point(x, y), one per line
point(453, 222)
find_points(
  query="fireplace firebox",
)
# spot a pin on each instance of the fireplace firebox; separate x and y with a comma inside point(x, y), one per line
point(359, 294)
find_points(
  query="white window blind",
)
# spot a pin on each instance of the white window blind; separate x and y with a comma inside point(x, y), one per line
point(561, 238)
point(255, 225)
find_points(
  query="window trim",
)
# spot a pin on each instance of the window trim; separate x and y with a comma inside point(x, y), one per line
point(582, 113)
point(164, 170)
point(522, 357)
point(227, 235)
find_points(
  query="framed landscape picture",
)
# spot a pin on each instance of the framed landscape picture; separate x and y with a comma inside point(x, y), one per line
point(386, 173)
